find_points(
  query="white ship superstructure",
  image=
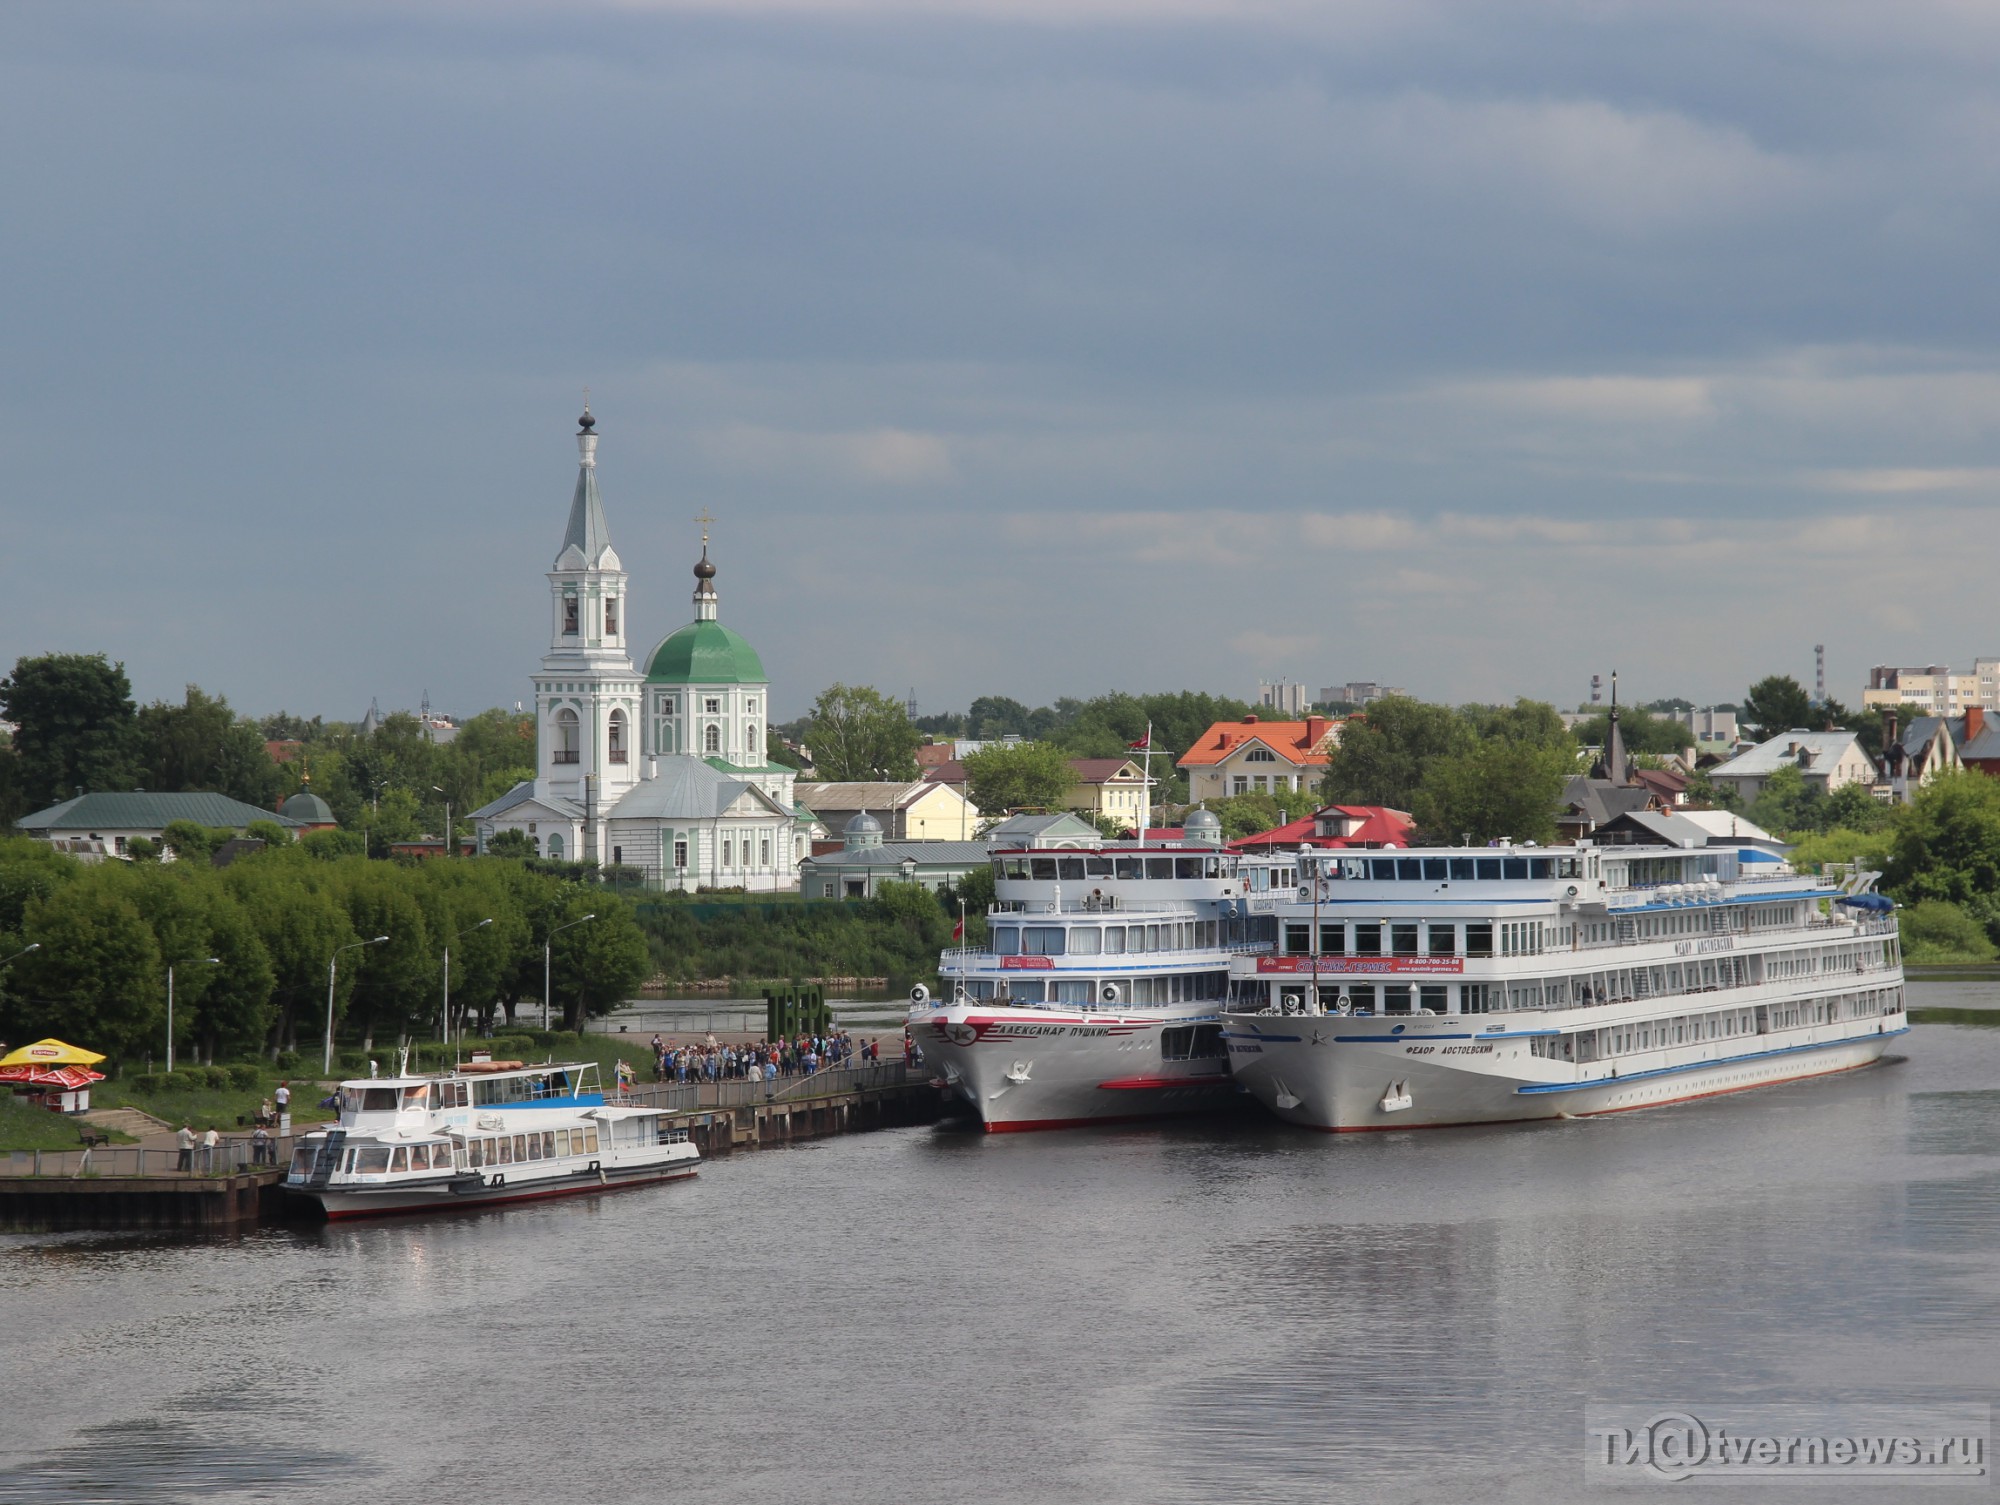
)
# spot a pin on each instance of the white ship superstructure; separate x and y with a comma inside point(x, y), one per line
point(1455, 985)
point(1098, 996)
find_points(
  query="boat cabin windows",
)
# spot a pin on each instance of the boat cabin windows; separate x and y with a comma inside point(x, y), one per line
point(1298, 937)
point(1403, 939)
point(1479, 938)
point(1043, 940)
point(1444, 940)
point(355, 1100)
point(1367, 940)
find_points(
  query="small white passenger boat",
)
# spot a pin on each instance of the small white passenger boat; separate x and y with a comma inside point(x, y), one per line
point(480, 1135)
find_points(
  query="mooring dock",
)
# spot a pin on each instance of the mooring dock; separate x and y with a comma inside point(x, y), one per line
point(133, 1188)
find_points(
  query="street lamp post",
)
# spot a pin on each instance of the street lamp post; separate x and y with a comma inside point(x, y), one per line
point(447, 972)
point(31, 946)
point(333, 962)
point(546, 947)
point(438, 788)
point(213, 961)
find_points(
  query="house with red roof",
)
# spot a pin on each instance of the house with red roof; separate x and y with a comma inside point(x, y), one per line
point(1335, 826)
point(1237, 757)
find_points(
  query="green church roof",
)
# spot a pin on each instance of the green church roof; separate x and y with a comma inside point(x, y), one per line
point(705, 653)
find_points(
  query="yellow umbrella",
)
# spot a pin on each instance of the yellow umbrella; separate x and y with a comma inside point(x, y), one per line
point(51, 1053)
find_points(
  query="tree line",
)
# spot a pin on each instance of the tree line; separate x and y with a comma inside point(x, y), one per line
point(250, 946)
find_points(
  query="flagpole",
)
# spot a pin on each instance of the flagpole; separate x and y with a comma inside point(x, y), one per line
point(1146, 819)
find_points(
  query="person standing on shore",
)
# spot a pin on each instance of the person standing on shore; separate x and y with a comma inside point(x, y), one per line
point(185, 1139)
point(209, 1141)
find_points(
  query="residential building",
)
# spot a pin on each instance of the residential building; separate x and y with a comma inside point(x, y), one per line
point(1916, 753)
point(92, 825)
point(1284, 696)
point(1831, 760)
point(1358, 692)
point(917, 810)
point(664, 771)
point(1109, 788)
point(1344, 826)
point(1237, 757)
point(1064, 831)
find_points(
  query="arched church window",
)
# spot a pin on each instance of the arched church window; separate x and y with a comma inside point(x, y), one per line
point(611, 616)
point(712, 739)
point(750, 736)
point(569, 616)
point(555, 847)
point(614, 741)
point(567, 732)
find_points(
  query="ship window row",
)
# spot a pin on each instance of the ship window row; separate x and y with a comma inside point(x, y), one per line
point(1411, 938)
point(1453, 869)
point(1097, 940)
point(1723, 1025)
point(395, 1160)
point(1179, 987)
point(516, 1149)
point(1085, 866)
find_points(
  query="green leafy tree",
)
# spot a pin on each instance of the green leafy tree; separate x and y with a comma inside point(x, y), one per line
point(1948, 842)
point(76, 727)
point(597, 966)
point(1777, 703)
point(1640, 731)
point(511, 844)
point(859, 734)
point(299, 917)
point(202, 744)
point(96, 980)
point(1024, 775)
point(397, 988)
point(775, 751)
point(1789, 804)
point(1382, 760)
point(1498, 787)
point(1936, 930)
point(233, 1016)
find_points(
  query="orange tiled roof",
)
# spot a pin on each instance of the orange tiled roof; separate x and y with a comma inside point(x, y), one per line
point(1300, 743)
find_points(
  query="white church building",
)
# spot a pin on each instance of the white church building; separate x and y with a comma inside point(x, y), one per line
point(663, 771)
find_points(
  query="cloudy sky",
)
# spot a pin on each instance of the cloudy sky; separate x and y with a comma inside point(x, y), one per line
point(1031, 347)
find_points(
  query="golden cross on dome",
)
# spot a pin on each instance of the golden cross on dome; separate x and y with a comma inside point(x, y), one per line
point(704, 519)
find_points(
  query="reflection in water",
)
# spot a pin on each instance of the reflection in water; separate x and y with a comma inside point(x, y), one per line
point(1195, 1312)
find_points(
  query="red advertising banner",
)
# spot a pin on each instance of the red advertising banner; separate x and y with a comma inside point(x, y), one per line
point(1028, 963)
point(1333, 966)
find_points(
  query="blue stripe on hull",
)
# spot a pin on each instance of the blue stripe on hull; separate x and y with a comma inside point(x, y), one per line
point(1709, 1065)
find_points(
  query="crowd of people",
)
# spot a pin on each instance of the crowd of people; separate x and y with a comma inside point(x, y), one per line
point(762, 1060)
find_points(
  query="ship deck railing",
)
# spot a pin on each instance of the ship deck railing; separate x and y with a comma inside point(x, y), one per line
point(1088, 960)
point(1107, 904)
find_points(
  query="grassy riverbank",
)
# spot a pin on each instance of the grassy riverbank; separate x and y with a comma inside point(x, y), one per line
point(24, 1126)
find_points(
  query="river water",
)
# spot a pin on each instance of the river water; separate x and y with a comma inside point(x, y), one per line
point(1196, 1313)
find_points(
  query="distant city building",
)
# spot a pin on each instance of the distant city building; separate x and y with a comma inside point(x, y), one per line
point(1358, 692)
point(856, 866)
point(1284, 696)
point(1935, 688)
point(1711, 730)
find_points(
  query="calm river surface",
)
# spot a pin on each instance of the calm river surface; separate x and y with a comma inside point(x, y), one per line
point(1188, 1314)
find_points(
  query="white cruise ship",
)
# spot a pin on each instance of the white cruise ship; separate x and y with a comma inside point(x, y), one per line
point(1484, 985)
point(1099, 997)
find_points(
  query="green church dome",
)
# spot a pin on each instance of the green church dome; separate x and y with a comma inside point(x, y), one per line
point(705, 653)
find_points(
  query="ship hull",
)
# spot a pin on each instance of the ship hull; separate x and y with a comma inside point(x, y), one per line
point(494, 1189)
point(1025, 1069)
point(1359, 1086)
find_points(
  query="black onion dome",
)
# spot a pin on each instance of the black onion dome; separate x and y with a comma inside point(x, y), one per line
point(704, 570)
point(586, 422)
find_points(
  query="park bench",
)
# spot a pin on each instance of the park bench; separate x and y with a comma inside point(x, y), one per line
point(93, 1141)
